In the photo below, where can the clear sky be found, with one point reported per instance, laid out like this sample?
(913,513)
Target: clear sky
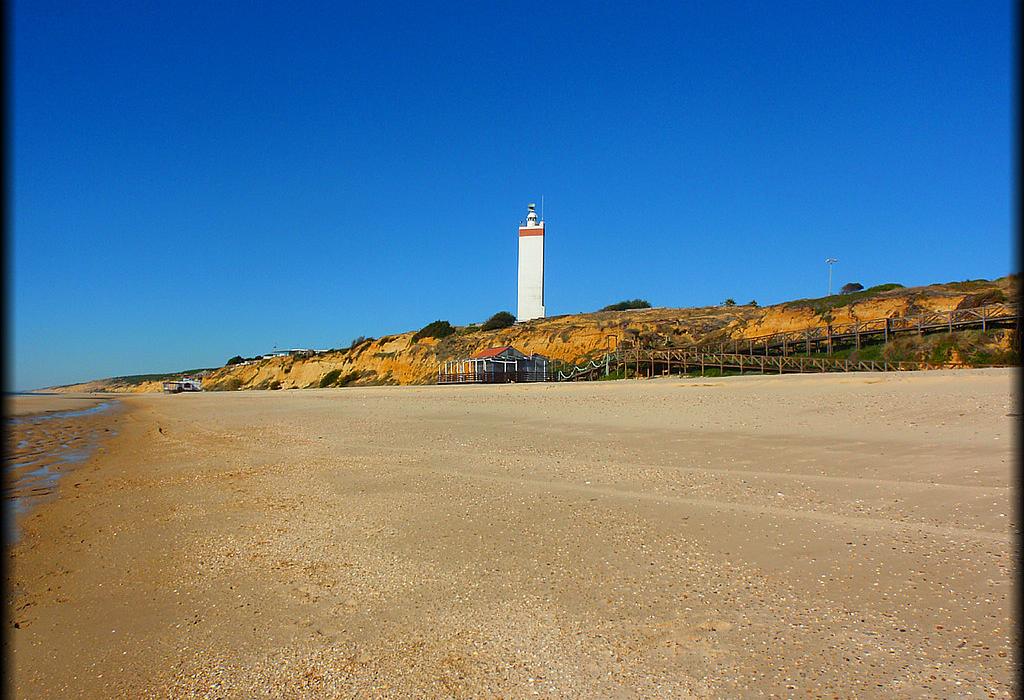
(197,180)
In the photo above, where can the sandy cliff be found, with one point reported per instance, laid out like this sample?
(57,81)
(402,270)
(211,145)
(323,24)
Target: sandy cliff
(397,359)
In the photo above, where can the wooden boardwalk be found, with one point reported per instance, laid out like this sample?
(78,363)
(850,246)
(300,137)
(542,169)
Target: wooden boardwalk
(790,351)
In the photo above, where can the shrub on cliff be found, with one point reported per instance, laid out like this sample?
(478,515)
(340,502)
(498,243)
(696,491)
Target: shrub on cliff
(437,329)
(628,304)
(235,360)
(229,384)
(329,378)
(887,287)
(850,287)
(989,296)
(502,319)
(356,342)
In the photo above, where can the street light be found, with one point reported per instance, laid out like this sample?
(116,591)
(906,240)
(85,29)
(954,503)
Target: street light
(830,262)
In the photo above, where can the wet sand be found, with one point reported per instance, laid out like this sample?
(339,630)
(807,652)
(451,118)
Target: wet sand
(47,437)
(799,536)
(24,404)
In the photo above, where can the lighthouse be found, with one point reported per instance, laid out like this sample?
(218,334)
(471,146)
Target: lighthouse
(531,267)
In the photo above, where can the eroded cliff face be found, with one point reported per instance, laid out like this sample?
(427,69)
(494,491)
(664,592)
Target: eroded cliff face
(397,359)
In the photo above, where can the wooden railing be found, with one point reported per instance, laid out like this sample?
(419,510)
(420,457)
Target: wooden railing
(777,352)
(984,317)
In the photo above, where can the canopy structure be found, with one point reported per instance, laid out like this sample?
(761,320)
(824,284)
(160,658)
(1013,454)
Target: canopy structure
(501,365)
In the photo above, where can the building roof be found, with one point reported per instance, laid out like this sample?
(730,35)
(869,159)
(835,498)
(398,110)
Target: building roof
(491,352)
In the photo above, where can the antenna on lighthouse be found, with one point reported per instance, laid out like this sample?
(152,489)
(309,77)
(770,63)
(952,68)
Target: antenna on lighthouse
(542,207)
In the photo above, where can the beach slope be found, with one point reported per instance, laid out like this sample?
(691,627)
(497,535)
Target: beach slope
(835,536)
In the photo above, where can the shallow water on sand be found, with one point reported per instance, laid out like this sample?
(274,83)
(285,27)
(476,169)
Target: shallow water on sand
(43,448)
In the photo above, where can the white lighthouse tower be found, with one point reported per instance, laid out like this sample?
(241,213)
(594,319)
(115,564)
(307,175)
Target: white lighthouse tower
(531,268)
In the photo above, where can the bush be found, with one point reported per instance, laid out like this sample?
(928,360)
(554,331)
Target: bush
(356,342)
(350,377)
(329,378)
(437,329)
(335,378)
(628,304)
(850,287)
(752,302)
(235,360)
(888,286)
(729,302)
(276,384)
(502,319)
(990,296)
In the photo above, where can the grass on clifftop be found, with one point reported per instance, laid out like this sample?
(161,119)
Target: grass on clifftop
(823,305)
(133,379)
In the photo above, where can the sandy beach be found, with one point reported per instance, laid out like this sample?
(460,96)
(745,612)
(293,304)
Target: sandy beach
(799,536)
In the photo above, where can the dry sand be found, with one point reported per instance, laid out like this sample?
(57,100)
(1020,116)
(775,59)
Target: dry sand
(801,536)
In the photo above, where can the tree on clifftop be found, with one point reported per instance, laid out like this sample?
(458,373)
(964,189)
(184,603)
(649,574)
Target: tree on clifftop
(851,287)
(437,329)
(628,304)
(502,319)
(235,360)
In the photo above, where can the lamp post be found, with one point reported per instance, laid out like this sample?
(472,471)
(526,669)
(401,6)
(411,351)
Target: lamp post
(830,262)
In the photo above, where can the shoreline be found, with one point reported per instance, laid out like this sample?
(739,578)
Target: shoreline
(674,537)
(31,404)
(46,441)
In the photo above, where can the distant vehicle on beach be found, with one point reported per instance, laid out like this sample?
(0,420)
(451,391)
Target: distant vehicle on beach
(183,384)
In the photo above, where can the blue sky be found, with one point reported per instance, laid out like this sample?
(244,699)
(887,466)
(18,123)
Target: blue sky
(193,181)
